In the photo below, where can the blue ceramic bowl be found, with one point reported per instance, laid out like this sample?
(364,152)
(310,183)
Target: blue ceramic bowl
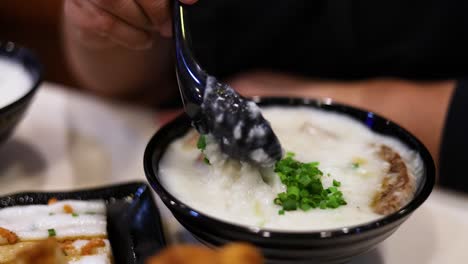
(327,246)
(11,114)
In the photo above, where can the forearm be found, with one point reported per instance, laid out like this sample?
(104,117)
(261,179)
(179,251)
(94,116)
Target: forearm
(418,106)
(119,72)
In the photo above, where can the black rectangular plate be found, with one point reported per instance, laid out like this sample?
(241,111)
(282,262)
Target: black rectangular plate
(133,220)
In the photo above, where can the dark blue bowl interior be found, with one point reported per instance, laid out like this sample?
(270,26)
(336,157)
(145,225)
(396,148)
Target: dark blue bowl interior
(327,246)
(11,114)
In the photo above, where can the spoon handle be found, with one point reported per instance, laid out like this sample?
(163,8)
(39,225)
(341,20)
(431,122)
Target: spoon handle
(190,76)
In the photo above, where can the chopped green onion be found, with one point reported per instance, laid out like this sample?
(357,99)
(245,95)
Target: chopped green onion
(355,165)
(336,183)
(304,189)
(293,192)
(90,213)
(304,193)
(277,201)
(201,144)
(304,180)
(74,214)
(305,207)
(323,205)
(51,213)
(51,232)
(290,205)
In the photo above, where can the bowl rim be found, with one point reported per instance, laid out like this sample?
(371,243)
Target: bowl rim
(10,51)
(422,193)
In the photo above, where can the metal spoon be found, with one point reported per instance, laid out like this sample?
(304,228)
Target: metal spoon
(217,109)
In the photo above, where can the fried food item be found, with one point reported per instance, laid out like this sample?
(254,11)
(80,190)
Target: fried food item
(52,201)
(185,254)
(7,237)
(237,253)
(68,209)
(8,253)
(52,251)
(46,252)
(79,233)
(398,185)
(90,247)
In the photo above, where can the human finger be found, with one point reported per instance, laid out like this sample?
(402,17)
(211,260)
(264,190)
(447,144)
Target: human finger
(159,13)
(127,10)
(91,19)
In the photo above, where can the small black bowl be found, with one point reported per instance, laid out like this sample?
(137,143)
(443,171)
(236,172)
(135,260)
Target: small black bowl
(327,246)
(11,114)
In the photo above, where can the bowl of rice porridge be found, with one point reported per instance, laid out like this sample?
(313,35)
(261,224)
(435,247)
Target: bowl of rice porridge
(347,180)
(20,76)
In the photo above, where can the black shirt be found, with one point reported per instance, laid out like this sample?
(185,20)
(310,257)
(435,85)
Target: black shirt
(453,155)
(343,39)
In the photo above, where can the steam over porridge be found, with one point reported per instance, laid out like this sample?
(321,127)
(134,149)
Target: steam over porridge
(357,175)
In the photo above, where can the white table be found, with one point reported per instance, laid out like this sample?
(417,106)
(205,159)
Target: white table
(70,140)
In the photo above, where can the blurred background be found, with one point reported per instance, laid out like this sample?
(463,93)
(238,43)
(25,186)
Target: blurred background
(36,25)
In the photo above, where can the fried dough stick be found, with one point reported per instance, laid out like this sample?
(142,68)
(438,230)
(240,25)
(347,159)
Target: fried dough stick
(236,253)
(46,252)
